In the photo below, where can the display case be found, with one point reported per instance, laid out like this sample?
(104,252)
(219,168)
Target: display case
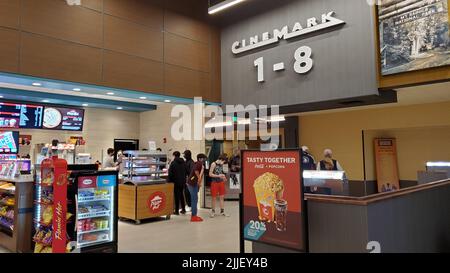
(144,193)
(144,168)
(16,205)
(326,182)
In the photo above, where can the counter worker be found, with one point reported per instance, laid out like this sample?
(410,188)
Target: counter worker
(308,161)
(328,163)
(108,161)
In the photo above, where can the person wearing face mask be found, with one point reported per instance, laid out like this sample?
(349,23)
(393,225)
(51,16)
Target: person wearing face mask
(218,179)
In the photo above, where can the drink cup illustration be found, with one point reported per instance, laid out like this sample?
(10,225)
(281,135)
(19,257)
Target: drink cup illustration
(281,207)
(268,187)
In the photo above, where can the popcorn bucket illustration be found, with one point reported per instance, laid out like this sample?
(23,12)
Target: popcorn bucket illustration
(268,188)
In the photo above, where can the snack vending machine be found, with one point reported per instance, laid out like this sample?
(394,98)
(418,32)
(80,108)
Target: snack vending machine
(96,209)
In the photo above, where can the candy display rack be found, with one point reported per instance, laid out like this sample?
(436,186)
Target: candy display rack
(16,205)
(51,216)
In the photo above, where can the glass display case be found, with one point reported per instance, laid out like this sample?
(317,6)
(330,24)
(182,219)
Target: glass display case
(325,182)
(144,168)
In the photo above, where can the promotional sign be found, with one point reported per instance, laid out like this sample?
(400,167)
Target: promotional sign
(9,142)
(87,182)
(273,210)
(386,164)
(106,181)
(63,119)
(157,202)
(56,169)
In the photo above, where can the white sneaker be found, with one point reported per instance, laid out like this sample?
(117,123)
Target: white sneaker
(224,214)
(212,214)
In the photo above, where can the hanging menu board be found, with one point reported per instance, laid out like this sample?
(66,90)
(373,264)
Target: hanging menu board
(69,119)
(273,206)
(15,116)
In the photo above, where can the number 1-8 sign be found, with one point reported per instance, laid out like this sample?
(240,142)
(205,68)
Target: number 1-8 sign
(302,65)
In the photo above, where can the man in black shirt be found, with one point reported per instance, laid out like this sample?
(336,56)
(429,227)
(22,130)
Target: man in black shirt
(177,176)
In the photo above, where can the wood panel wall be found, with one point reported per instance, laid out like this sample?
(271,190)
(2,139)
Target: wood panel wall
(155,46)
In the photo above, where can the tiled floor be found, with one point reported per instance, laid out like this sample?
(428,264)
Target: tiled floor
(179,235)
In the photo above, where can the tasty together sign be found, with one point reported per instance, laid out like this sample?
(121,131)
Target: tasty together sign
(272,198)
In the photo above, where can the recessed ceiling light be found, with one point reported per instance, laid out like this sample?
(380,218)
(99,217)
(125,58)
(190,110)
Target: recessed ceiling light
(110,93)
(167,101)
(36,84)
(45,101)
(85,104)
(119,108)
(143,98)
(76,89)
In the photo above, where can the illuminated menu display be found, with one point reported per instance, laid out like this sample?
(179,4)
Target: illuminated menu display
(14,116)
(63,119)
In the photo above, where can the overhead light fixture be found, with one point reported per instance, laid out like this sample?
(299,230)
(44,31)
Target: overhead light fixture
(219,124)
(143,98)
(36,84)
(110,93)
(244,121)
(438,164)
(223,5)
(46,101)
(85,104)
(167,101)
(272,119)
(76,89)
(1,97)
(119,108)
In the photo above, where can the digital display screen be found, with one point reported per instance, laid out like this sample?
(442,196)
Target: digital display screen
(68,119)
(15,116)
(9,142)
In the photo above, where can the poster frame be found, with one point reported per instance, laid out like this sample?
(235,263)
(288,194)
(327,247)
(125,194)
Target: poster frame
(303,202)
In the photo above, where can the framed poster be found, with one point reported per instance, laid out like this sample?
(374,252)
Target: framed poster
(272,205)
(414,35)
(386,164)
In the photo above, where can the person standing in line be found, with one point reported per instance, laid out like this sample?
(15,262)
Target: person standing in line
(328,163)
(177,176)
(218,179)
(189,167)
(194,184)
(235,161)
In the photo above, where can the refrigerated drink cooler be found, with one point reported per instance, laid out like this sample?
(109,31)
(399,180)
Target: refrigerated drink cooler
(96,215)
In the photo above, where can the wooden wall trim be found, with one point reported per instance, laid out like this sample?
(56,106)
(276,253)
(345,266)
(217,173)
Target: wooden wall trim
(139,21)
(366,200)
